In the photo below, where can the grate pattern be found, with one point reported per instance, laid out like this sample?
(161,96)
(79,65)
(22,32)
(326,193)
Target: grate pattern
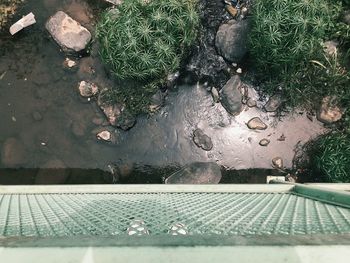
(202,213)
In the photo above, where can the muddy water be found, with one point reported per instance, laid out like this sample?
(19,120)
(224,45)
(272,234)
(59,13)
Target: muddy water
(34,83)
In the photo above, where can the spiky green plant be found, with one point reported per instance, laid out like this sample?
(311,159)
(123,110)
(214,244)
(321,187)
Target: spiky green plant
(146,39)
(330,158)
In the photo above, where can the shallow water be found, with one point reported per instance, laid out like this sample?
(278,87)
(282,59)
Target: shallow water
(34,81)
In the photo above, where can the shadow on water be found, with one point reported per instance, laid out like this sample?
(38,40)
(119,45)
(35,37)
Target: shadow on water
(139,175)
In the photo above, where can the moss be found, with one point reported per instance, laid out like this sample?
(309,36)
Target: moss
(147,39)
(330,158)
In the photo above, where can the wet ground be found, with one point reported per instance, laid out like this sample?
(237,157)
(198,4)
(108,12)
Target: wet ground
(52,127)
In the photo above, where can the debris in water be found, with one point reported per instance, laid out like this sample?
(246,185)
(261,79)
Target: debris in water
(277,162)
(3,75)
(26,21)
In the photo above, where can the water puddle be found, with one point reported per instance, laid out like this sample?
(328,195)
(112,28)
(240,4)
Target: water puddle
(45,124)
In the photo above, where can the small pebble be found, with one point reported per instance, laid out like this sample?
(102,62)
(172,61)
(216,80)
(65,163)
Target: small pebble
(239,71)
(37,116)
(264,142)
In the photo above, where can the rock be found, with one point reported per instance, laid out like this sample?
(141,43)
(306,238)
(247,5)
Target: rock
(13,153)
(328,111)
(25,21)
(37,116)
(114,2)
(331,47)
(104,136)
(264,142)
(53,172)
(87,89)
(231,97)
(157,101)
(196,173)
(116,113)
(68,33)
(256,124)
(202,140)
(68,63)
(277,162)
(172,79)
(251,103)
(215,94)
(273,103)
(231,40)
(233,11)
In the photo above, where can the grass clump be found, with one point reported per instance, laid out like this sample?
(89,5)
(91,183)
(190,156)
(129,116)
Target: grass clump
(286,43)
(146,39)
(330,158)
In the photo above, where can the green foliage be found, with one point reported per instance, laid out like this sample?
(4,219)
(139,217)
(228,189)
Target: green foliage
(146,39)
(287,34)
(330,158)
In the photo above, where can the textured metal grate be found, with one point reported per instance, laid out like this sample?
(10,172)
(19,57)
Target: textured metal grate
(202,213)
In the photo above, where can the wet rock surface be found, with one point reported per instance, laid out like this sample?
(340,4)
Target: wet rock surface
(256,124)
(231,97)
(329,112)
(196,173)
(67,32)
(117,114)
(87,89)
(231,40)
(202,140)
(273,103)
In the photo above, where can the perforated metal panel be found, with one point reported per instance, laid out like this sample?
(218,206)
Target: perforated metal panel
(203,213)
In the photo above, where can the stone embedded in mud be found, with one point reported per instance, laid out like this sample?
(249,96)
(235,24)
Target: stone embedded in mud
(68,63)
(68,33)
(117,114)
(196,173)
(264,142)
(202,140)
(37,116)
(256,124)
(277,162)
(231,97)
(157,101)
(231,40)
(251,103)
(329,112)
(87,89)
(273,103)
(104,136)
(13,153)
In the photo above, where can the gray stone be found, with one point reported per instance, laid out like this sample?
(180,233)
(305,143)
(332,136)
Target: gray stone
(331,47)
(157,101)
(172,79)
(329,112)
(67,32)
(87,89)
(251,103)
(116,113)
(256,124)
(231,40)
(202,140)
(231,97)
(13,153)
(277,162)
(196,173)
(264,142)
(273,103)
